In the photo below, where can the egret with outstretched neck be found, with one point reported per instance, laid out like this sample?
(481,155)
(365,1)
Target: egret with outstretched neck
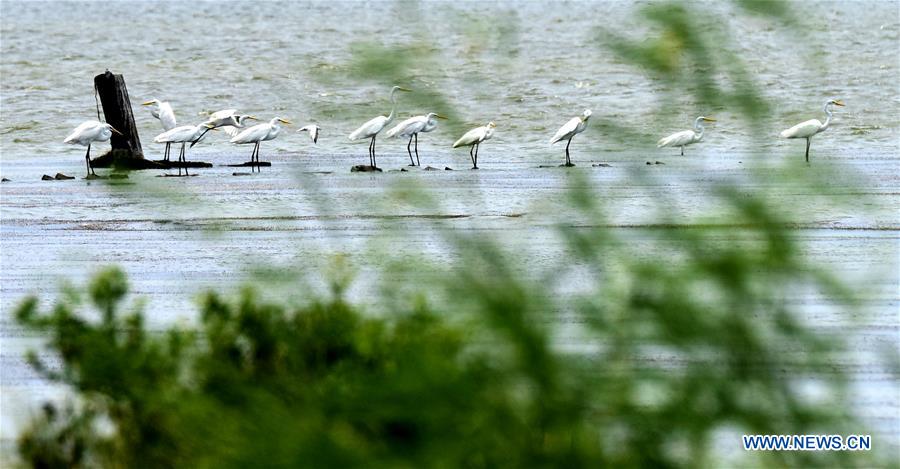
(257,134)
(575,126)
(371,128)
(811,127)
(411,128)
(163,111)
(228,120)
(87,133)
(473,139)
(685,137)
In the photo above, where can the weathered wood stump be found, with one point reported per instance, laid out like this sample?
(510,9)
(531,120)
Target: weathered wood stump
(126,152)
(250,163)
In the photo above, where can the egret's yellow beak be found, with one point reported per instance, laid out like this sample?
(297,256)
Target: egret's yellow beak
(838,102)
(709,119)
(114,130)
(285,121)
(210,126)
(403,89)
(440,116)
(148,103)
(253,118)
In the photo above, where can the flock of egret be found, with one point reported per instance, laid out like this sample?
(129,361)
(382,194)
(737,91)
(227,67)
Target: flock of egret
(235,125)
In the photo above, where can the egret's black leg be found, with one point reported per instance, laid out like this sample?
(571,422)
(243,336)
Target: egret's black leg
(166,152)
(374,165)
(87,160)
(475,164)
(417,150)
(568,161)
(472,155)
(181,161)
(255,158)
(411,162)
(682,150)
(807,149)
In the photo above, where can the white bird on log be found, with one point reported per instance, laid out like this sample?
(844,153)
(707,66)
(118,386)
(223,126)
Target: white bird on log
(257,134)
(89,132)
(163,111)
(371,128)
(182,135)
(411,128)
(473,139)
(575,126)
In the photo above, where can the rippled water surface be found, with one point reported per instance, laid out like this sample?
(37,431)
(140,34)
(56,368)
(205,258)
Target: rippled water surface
(528,66)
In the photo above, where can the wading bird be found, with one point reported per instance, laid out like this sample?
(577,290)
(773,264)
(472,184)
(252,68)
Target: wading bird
(811,127)
(685,137)
(371,128)
(313,130)
(163,111)
(87,133)
(575,126)
(228,120)
(182,135)
(473,139)
(411,128)
(257,134)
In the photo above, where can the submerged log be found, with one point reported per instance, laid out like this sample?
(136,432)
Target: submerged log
(250,163)
(364,168)
(126,149)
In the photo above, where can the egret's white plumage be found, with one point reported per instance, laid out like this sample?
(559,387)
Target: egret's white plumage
(685,137)
(163,111)
(228,120)
(87,133)
(313,131)
(811,127)
(575,126)
(411,128)
(375,125)
(473,139)
(182,135)
(259,133)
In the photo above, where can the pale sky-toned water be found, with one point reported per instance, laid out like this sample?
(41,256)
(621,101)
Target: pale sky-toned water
(527,66)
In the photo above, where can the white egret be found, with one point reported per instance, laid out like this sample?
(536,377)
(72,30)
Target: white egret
(685,137)
(411,128)
(811,127)
(228,120)
(257,134)
(182,135)
(473,138)
(163,111)
(575,126)
(371,128)
(313,131)
(87,133)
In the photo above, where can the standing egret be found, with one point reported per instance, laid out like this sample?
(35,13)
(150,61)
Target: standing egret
(259,133)
(473,138)
(411,128)
(313,130)
(811,127)
(371,128)
(575,126)
(182,135)
(685,137)
(228,120)
(163,111)
(87,133)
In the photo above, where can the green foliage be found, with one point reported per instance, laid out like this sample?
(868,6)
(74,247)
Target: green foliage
(699,342)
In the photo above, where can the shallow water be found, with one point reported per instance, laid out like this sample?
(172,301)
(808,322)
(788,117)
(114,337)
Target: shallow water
(525,67)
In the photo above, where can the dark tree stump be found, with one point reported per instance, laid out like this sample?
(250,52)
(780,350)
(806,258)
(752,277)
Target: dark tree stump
(126,150)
